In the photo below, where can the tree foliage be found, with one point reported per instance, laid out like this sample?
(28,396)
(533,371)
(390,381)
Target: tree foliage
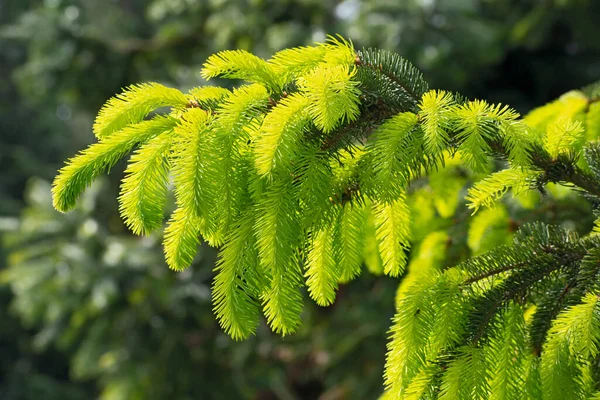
(272,172)
(126,327)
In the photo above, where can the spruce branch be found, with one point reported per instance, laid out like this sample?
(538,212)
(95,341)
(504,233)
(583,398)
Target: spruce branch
(399,71)
(322,162)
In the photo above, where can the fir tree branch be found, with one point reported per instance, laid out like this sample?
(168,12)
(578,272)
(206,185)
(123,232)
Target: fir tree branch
(310,166)
(545,316)
(495,271)
(559,170)
(368,121)
(379,68)
(518,283)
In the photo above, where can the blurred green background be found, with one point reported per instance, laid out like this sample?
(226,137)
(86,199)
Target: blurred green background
(89,311)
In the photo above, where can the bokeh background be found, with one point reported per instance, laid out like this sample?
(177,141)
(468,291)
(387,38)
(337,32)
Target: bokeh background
(89,311)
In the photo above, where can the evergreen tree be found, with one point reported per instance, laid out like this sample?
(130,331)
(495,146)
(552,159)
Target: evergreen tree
(313,168)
